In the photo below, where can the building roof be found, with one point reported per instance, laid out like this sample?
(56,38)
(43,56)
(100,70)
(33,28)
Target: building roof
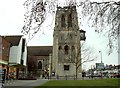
(39,50)
(13,39)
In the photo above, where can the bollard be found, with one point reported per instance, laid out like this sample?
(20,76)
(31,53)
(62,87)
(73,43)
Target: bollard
(57,77)
(66,77)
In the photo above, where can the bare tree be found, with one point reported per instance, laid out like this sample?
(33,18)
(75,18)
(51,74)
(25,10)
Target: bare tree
(104,16)
(36,14)
(87,55)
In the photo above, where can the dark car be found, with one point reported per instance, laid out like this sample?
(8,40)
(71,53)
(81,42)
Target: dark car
(116,75)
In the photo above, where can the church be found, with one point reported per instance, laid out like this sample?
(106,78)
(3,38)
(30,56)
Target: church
(64,57)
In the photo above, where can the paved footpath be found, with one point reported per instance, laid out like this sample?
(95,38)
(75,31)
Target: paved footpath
(25,83)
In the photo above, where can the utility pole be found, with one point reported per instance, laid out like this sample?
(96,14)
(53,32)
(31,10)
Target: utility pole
(101,55)
(101,62)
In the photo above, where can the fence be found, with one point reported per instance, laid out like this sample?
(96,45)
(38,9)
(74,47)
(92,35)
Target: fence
(67,77)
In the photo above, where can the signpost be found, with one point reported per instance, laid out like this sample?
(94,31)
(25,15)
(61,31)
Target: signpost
(99,66)
(2,76)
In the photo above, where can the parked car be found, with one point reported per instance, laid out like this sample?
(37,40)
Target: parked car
(116,75)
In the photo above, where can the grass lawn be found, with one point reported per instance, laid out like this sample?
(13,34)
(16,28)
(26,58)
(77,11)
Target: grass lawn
(97,82)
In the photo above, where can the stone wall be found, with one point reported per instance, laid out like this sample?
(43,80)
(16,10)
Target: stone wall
(66,44)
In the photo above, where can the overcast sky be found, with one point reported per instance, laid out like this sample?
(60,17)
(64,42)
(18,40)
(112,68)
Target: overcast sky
(11,23)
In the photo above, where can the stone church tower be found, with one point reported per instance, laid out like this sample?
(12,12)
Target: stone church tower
(66,44)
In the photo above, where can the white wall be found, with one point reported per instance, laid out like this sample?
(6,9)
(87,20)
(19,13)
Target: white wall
(16,54)
(25,56)
(13,54)
(19,51)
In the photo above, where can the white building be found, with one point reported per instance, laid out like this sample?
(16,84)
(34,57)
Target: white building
(18,50)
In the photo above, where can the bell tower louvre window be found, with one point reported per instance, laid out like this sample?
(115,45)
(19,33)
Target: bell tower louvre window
(66,48)
(62,20)
(70,20)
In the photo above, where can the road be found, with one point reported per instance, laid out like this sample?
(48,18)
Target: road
(25,83)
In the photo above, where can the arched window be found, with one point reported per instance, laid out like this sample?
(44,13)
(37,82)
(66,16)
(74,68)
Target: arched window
(70,20)
(60,54)
(60,47)
(62,20)
(39,65)
(66,48)
(73,54)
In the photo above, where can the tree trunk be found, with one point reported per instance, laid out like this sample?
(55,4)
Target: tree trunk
(76,71)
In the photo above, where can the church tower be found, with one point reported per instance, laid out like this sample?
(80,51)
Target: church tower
(66,43)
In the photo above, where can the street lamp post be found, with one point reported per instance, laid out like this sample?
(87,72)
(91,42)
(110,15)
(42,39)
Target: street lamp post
(101,55)
(101,62)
